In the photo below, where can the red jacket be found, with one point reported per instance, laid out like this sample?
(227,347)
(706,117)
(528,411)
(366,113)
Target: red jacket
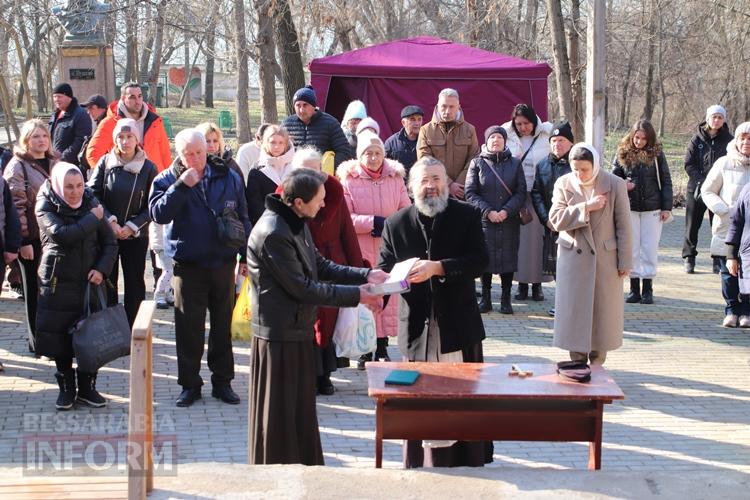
(155,140)
(333,233)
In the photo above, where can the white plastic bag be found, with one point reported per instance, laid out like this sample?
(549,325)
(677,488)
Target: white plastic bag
(354,333)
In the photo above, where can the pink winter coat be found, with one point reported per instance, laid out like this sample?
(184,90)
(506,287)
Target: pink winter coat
(367,197)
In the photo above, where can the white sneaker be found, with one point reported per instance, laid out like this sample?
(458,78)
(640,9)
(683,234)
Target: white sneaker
(744,321)
(730,321)
(161,300)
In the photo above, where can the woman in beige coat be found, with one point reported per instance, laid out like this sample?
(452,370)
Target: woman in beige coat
(591,211)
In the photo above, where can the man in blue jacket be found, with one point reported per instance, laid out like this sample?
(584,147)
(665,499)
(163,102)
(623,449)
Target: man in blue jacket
(402,146)
(310,125)
(187,197)
(69,124)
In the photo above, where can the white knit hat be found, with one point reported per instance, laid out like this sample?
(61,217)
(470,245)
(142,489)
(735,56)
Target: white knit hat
(716,109)
(368,123)
(367,140)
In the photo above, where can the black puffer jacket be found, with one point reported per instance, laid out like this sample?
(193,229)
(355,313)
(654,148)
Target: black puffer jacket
(74,242)
(324,132)
(69,131)
(547,172)
(702,153)
(284,269)
(646,196)
(123,192)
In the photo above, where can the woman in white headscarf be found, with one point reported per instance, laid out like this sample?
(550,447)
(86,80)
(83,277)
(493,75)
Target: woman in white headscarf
(591,211)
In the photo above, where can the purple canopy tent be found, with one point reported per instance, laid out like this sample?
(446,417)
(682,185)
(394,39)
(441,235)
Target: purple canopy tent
(391,75)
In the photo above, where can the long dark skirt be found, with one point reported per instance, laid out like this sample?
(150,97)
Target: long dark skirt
(462,453)
(283,423)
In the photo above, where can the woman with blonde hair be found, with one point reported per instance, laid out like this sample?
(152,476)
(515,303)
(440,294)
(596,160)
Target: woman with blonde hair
(274,165)
(215,145)
(25,174)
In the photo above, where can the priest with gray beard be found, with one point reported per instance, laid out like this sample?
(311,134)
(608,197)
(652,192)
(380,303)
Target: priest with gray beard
(439,316)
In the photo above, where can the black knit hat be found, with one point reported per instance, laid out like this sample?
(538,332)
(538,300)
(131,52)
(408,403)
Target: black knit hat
(63,88)
(563,129)
(495,129)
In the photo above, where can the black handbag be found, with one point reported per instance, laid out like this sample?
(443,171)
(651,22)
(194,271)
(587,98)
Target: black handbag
(100,337)
(230,228)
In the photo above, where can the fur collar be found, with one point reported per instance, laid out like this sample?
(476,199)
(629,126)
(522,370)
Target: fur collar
(735,156)
(354,169)
(275,205)
(630,156)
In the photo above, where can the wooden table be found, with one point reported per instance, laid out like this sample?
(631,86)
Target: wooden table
(482,402)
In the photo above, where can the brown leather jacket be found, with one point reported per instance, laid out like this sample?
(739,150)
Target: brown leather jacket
(24,191)
(455,148)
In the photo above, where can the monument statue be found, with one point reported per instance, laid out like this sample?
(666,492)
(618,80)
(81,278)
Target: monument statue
(83,21)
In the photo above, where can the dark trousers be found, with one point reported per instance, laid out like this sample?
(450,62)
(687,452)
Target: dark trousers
(197,289)
(730,290)
(132,257)
(695,209)
(30,283)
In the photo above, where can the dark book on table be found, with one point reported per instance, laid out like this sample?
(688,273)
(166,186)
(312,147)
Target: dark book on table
(402,377)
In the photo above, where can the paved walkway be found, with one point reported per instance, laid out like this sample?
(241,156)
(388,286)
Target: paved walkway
(686,380)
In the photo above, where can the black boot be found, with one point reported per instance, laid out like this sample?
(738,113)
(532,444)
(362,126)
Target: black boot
(690,265)
(523,291)
(381,351)
(363,359)
(325,386)
(536,292)
(485,305)
(505,305)
(635,291)
(647,296)
(67,382)
(87,393)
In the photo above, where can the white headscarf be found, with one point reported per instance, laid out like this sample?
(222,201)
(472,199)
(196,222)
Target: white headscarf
(57,180)
(596,166)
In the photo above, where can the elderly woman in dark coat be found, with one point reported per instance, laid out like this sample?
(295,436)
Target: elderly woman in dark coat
(78,249)
(497,186)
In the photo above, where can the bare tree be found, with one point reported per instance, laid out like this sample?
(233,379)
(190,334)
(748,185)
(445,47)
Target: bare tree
(287,43)
(562,63)
(242,104)
(265,54)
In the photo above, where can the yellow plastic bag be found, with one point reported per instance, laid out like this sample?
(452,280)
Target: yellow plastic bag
(328,161)
(241,329)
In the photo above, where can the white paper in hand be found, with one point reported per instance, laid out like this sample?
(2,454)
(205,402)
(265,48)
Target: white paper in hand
(398,281)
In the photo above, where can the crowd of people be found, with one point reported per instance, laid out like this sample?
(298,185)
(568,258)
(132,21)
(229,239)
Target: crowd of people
(90,196)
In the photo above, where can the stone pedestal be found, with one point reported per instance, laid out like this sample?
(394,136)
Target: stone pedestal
(89,69)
